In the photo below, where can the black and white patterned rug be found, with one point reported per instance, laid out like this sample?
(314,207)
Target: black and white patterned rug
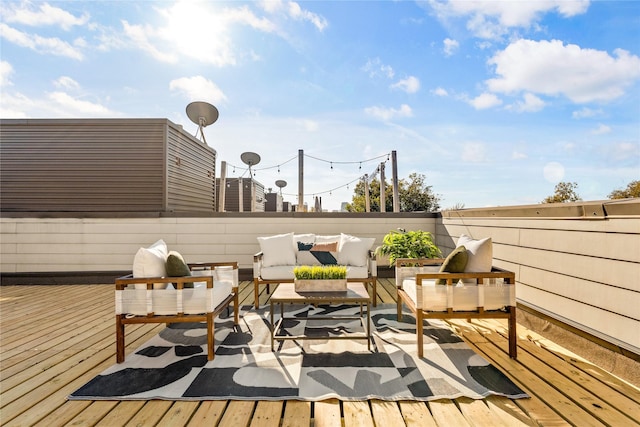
(173,365)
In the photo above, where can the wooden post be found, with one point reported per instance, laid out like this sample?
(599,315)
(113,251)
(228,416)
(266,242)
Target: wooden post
(394,169)
(240,195)
(300,181)
(367,198)
(223,186)
(383,189)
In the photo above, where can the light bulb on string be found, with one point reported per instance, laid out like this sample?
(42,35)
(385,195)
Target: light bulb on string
(331,165)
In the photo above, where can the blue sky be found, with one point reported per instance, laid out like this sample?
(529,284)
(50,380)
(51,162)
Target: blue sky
(493,101)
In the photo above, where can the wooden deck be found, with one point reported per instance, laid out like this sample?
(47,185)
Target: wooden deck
(56,338)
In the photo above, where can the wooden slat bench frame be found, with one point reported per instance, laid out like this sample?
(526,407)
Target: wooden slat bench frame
(179,283)
(451,278)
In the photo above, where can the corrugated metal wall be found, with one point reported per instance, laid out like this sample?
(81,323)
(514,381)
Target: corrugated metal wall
(192,169)
(103,165)
(231,195)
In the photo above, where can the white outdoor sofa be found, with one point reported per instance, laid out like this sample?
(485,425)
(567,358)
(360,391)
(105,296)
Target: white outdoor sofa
(280,254)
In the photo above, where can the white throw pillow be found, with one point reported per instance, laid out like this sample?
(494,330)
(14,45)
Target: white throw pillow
(353,250)
(278,250)
(480,254)
(151,262)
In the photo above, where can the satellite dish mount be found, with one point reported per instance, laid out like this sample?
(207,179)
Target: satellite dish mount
(203,114)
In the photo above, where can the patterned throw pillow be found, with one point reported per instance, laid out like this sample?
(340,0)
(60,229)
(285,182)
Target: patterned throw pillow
(317,253)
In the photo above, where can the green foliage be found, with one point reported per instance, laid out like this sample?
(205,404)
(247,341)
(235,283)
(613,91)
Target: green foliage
(565,192)
(632,190)
(408,244)
(315,272)
(413,195)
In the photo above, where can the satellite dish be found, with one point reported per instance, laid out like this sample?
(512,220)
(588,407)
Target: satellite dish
(250,158)
(203,114)
(281,183)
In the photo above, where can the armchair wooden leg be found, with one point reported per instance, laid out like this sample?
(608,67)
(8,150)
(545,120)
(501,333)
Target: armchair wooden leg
(420,333)
(399,306)
(374,284)
(119,339)
(210,337)
(236,309)
(255,293)
(513,334)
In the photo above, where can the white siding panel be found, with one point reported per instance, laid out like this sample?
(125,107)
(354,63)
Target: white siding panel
(609,326)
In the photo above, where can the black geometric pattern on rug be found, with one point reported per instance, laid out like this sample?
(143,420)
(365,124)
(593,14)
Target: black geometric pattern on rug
(174,366)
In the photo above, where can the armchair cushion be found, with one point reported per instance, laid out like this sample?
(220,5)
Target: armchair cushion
(151,262)
(278,250)
(480,254)
(454,263)
(177,267)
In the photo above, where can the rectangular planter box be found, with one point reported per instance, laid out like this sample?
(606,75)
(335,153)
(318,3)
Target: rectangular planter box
(324,285)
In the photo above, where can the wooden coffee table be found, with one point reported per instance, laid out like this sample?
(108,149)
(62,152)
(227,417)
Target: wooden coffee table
(356,293)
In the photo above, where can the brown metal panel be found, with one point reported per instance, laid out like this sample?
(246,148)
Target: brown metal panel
(102,165)
(191,173)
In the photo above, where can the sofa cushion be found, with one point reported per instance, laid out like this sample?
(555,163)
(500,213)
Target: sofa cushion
(317,253)
(150,262)
(480,254)
(327,239)
(354,250)
(278,250)
(454,263)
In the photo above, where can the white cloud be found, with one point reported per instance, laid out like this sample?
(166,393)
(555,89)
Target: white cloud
(374,67)
(553,172)
(198,88)
(474,152)
(293,10)
(585,113)
(310,125)
(601,130)
(582,75)
(195,30)
(484,101)
(450,46)
(296,12)
(65,82)
(440,92)
(410,85)
(73,107)
(387,114)
(518,155)
(46,14)
(5,73)
(491,19)
(43,45)
(529,104)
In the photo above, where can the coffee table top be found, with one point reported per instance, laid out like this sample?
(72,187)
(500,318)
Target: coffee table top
(285,292)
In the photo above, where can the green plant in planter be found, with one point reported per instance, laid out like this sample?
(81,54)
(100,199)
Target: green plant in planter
(408,244)
(320,272)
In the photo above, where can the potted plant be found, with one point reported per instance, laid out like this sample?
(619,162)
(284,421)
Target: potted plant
(408,244)
(320,278)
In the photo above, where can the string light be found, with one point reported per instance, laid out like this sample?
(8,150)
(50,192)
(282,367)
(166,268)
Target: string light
(331,162)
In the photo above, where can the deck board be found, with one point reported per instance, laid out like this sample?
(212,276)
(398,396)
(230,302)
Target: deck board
(55,338)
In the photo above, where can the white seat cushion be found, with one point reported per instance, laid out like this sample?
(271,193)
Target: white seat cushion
(461,297)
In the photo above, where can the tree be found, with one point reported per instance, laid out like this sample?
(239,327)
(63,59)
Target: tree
(413,195)
(565,192)
(632,190)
